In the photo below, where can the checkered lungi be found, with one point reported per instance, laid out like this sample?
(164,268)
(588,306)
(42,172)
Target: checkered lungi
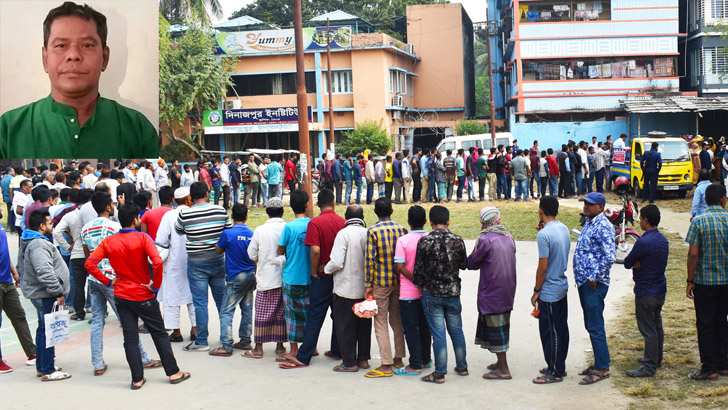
(493,332)
(270,321)
(295,303)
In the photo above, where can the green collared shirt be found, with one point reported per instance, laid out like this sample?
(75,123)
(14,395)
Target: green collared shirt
(47,129)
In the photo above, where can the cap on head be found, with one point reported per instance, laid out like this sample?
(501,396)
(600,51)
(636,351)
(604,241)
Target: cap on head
(595,198)
(181,192)
(275,203)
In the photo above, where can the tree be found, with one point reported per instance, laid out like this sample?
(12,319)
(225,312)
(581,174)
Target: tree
(179,11)
(480,52)
(482,97)
(191,79)
(469,127)
(369,135)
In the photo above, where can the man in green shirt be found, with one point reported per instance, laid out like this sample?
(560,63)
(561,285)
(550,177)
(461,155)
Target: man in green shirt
(482,166)
(74,121)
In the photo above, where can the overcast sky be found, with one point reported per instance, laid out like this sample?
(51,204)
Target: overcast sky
(475,8)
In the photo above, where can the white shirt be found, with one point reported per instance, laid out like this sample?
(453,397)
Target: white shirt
(262,168)
(22,200)
(89,180)
(71,222)
(347,262)
(263,250)
(112,184)
(618,144)
(406,173)
(175,290)
(542,171)
(225,174)
(187,179)
(584,161)
(128,175)
(139,178)
(160,177)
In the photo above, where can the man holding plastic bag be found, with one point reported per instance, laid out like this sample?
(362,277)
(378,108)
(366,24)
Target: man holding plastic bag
(44,281)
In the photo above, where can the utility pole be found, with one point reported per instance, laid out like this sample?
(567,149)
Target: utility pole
(490,91)
(329,81)
(302,100)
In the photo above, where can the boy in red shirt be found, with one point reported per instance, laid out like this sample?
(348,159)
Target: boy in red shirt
(135,294)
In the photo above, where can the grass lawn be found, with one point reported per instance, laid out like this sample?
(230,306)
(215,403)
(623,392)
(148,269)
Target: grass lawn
(670,388)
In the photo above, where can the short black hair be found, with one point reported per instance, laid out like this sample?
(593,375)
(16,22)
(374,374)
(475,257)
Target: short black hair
(166,195)
(65,193)
(655,145)
(198,190)
(299,200)
(519,153)
(448,152)
(703,175)
(543,154)
(274,212)
(240,212)
(326,198)
(652,213)
(549,205)
(141,199)
(85,195)
(38,217)
(714,194)
(100,200)
(25,183)
(40,193)
(85,12)
(550,151)
(127,214)
(417,216)
(383,207)
(480,151)
(354,211)
(439,215)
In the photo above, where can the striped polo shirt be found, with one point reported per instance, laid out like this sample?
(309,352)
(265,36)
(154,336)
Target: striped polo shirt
(203,224)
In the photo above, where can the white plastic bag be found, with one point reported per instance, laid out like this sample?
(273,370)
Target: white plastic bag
(56,326)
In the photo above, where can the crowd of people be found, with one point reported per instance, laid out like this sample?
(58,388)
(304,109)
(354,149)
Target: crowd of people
(137,248)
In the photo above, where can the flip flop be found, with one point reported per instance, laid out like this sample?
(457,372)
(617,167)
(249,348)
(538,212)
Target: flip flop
(594,376)
(152,364)
(373,374)
(134,387)
(545,369)
(249,354)
(547,379)
(432,378)
(345,369)
(495,376)
(402,371)
(184,377)
(281,359)
(241,346)
(290,364)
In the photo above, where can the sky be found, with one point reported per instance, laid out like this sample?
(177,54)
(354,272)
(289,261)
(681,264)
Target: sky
(474,8)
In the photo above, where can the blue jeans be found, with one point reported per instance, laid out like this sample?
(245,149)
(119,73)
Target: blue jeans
(471,189)
(501,185)
(238,292)
(579,188)
(69,297)
(592,302)
(381,188)
(45,361)
(216,191)
(416,332)
(509,186)
(370,191)
(538,185)
(99,295)
(347,192)
(521,189)
(358,193)
(553,185)
(264,193)
(590,182)
(432,195)
(461,185)
(554,330)
(442,314)
(320,299)
(600,180)
(200,275)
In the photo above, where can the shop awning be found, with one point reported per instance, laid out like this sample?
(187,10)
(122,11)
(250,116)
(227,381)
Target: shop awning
(675,104)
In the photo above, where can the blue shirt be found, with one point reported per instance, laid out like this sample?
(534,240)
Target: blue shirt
(424,172)
(357,173)
(595,251)
(215,175)
(396,169)
(347,170)
(699,205)
(235,242)
(590,160)
(5,184)
(273,173)
(705,162)
(651,161)
(336,170)
(554,242)
(298,256)
(6,275)
(651,251)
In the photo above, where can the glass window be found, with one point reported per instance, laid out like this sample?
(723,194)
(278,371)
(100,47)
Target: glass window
(397,82)
(471,143)
(593,68)
(674,151)
(340,82)
(560,10)
(719,9)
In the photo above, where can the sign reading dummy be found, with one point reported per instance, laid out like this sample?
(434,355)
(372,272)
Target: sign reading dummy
(279,119)
(273,41)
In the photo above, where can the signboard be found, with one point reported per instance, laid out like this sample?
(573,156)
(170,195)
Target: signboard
(599,47)
(275,41)
(619,156)
(278,119)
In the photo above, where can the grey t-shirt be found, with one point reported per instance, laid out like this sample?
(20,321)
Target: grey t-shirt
(554,243)
(519,165)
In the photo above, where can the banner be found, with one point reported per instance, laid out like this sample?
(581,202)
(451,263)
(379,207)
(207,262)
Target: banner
(275,41)
(254,120)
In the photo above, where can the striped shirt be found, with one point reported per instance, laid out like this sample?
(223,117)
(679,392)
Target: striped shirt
(203,224)
(92,234)
(381,244)
(709,232)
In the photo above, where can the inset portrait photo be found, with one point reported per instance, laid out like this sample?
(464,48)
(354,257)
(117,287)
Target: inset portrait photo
(79,80)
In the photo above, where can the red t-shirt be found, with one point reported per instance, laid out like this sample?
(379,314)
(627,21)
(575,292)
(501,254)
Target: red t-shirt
(152,219)
(290,170)
(127,251)
(322,231)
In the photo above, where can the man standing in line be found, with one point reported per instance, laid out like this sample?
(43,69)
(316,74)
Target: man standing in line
(8,199)
(235,179)
(44,281)
(370,177)
(397,177)
(353,334)
(134,293)
(273,173)
(382,283)
(460,174)
(706,160)
(449,163)
(416,175)
(521,173)
(388,178)
(553,167)
(356,178)
(564,171)
(651,165)
(291,172)
(348,167)
(482,165)
(203,223)
(593,258)
(254,176)
(590,159)
(153,217)
(549,292)
(492,162)
(320,237)
(270,322)
(239,283)
(648,261)
(500,172)
(406,175)
(699,206)
(471,172)
(707,283)
(175,175)
(380,174)
(338,177)
(425,175)
(432,160)
(582,153)
(21,199)
(175,290)
(216,182)
(439,258)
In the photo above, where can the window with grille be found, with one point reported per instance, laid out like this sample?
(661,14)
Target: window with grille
(695,14)
(719,9)
(397,82)
(696,64)
(340,82)
(716,59)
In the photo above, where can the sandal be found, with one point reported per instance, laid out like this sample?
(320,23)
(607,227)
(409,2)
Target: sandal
(152,364)
(249,354)
(586,371)
(184,377)
(292,364)
(241,346)
(546,369)
(346,369)
(55,376)
(594,376)
(433,378)
(100,371)
(373,374)
(137,387)
(701,375)
(221,351)
(463,372)
(492,375)
(547,379)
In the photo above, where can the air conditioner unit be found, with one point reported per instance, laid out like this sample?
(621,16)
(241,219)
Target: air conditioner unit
(411,49)
(397,115)
(229,105)
(397,101)
(233,105)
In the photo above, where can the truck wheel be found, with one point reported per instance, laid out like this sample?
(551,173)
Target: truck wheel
(682,194)
(637,189)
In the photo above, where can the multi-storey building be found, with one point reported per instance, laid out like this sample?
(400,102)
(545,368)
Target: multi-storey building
(563,66)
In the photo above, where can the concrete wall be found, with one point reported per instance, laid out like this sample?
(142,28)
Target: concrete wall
(553,134)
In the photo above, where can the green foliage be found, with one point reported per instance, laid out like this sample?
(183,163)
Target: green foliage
(179,150)
(180,11)
(191,79)
(369,135)
(469,127)
(480,53)
(482,97)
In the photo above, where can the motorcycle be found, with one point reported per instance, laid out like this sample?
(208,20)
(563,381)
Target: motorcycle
(315,181)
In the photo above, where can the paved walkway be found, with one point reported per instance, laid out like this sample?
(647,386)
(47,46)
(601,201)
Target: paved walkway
(220,382)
